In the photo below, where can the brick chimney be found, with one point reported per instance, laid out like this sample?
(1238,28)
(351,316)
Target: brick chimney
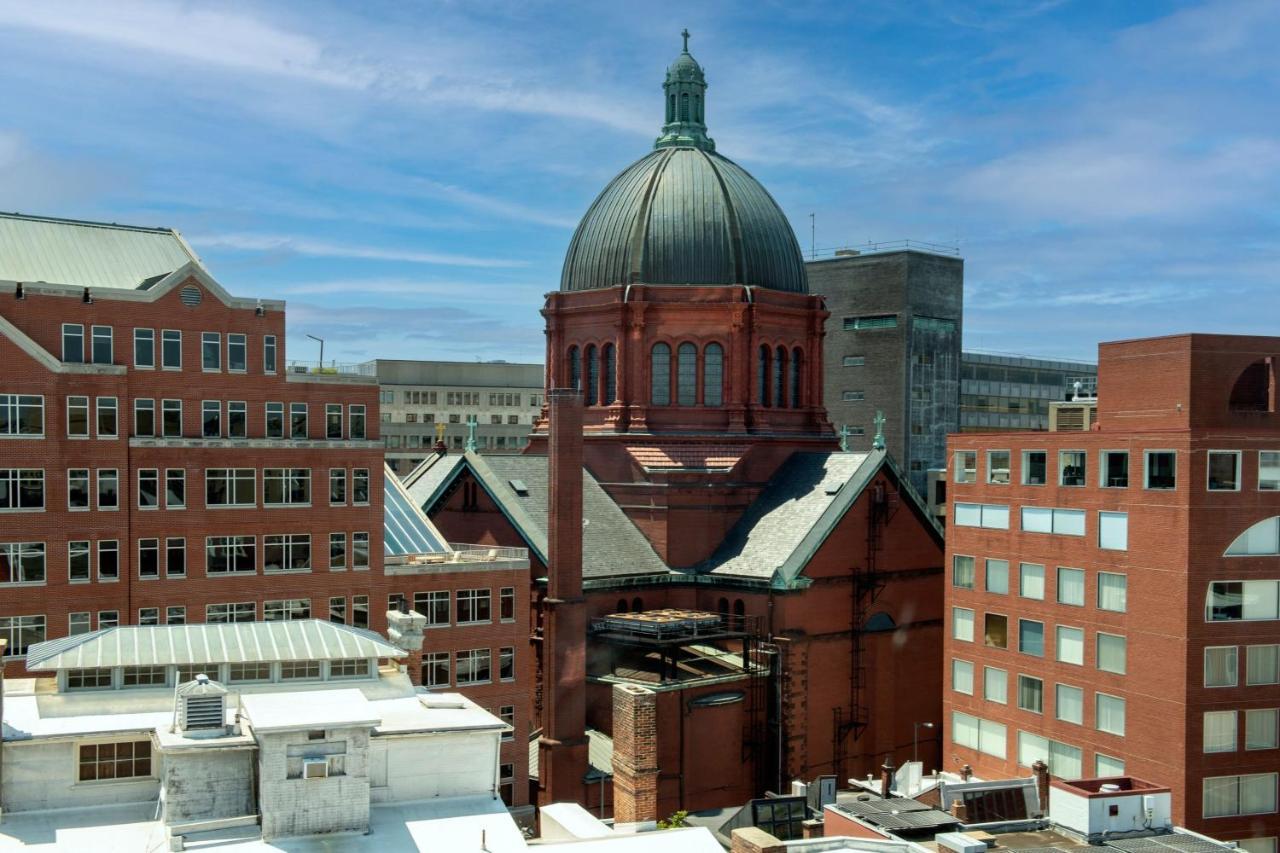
(753,839)
(1041,772)
(562,748)
(886,777)
(959,810)
(635,754)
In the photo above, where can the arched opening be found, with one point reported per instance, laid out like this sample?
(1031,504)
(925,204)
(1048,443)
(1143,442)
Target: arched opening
(1260,540)
(878,622)
(697,108)
(797,365)
(1254,390)
(622,606)
(637,606)
(610,375)
(762,379)
(660,375)
(739,607)
(723,606)
(780,378)
(713,375)
(575,368)
(687,374)
(593,376)
(684,107)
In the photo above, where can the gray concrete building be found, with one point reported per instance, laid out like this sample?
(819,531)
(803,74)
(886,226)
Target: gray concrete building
(1013,392)
(419,399)
(893,345)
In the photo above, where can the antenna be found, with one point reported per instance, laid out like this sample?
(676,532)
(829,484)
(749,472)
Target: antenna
(813,243)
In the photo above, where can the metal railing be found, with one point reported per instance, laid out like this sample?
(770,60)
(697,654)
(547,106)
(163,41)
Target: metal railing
(328,368)
(871,247)
(471,553)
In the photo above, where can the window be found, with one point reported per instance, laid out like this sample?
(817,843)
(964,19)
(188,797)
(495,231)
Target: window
(237,352)
(300,670)
(983,735)
(1113,531)
(175,557)
(78,570)
(175,488)
(995,685)
(993,516)
(1113,592)
(21,632)
(1220,666)
(230,555)
(359,551)
(1269,471)
(237,419)
(1162,469)
(1115,469)
(211,351)
(1068,704)
(144,348)
(145,676)
(297,420)
(356,421)
(507,604)
(21,562)
(1071,587)
(473,605)
(337,486)
(360,486)
(89,679)
(275,420)
(240,673)
(1069,647)
(966,462)
(853,361)
(1260,728)
(1064,761)
(995,631)
(1239,795)
(998,467)
(856,396)
(78,497)
(286,487)
(77,417)
(713,375)
(507,663)
(1071,467)
(79,623)
(102,345)
(507,713)
(1066,522)
(1262,665)
(230,487)
(101,761)
(148,558)
(1034,465)
(435,669)
(108,417)
(349,668)
(962,676)
(108,488)
(1232,601)
(360,611)
(434,605)
(1105,765)
(1031,694)
(1031,637)
(171,349)
(148,488)
(73,343)
(282,610)
(289,552)
(962,572)
(337,551)
(660,375)
(176,616)
(1224,470)
(1112,653)
(333,421)
(473,667)
(244,611)
(269,354)
(144,417)
(874,321)
(1110,714)
(171,418)
(21,414)
(1220,731)
(962,624)
(998,577)
(1031,580)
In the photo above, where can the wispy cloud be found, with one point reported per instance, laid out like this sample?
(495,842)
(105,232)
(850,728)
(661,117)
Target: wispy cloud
(297,245)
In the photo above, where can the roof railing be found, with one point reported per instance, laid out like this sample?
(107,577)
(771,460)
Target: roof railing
(471,553)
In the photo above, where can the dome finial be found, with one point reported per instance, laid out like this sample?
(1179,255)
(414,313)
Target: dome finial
(685,34)
(685,88)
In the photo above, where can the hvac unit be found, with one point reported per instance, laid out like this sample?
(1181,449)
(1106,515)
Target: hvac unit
(315,768)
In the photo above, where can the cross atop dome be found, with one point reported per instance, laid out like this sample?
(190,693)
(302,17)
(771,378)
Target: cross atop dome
(685,88)
(685,34)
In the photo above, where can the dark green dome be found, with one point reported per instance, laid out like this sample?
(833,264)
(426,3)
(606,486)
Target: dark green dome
(684,214)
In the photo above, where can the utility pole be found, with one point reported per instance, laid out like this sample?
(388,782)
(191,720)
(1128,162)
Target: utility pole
(321,340)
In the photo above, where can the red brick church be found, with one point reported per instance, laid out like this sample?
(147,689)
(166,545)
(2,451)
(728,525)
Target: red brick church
(778,599)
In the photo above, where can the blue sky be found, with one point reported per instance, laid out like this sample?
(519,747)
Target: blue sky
(407,175)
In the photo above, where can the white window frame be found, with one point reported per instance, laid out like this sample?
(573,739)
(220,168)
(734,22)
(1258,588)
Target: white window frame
(205,340)
(1102,468)
(136,364)
(244,346)
(270,367)
(163,334)
(1007,469)
(1258,486)
(1022,475)
(1146,469)
(1235,681)
(1239,457)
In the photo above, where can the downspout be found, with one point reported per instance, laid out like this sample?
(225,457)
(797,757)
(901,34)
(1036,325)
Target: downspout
(3,644)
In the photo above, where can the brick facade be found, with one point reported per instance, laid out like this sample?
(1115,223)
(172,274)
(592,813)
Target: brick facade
(635,754)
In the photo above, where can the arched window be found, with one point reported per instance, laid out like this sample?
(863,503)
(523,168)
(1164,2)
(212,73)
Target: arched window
(575,369)
(637,605)
(739,607)
(593,376)
(687,374)
(723,606)
(763,377)
(660,375)
(610,377)
(622,606)
(797,366)
(671,108)
(1252,391)
(684,107)
(697,108)
(780,377)
(713,375)
(1260,540)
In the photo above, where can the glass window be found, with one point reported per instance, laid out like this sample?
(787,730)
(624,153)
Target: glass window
(108,420)
(473,605)
(289,552)
(244,611)
(473,667)
(507,663)
(109,761)
(1036,519)
(210,351)
(230,554)
(1031,694)
(102,345)
(1113,592)
(1263,665)
(269,354)
(1220,731)
(1239,795)
(1224,470)
(1068,704)
(1269,470)
(1115,469)
(333,421)
(962,624)
(1230,601)
(360,486)
(998,576)
(1070,645)
(1110,714)
(237,419)
(1220,666)
(1162,469)
(108,488)
(1113,531)
(297,420)
(78,497)
(300,670)
(1068,522)
(171,349)
(966,466)
(1071,587)
(281,610)
(337,551)
(1260,728)
(687,374)
(995,630)
(507,604)
(237,352)
(1071,467)
(435,669)
(1105,766)
(21,562)
(211,419)
(1034,463)
(359,551)
(171,418)
(962,676)
(356,421)
(144,348)
(78,554)
(144,417)
(148,488)
(79,623)
(1112,653)
(275,420)
(1031,580)
(1031,637)
(434,605)
(355,668)
(108,561)
(230,487)
(995,685)
(962,572)
(73,343)
(713,375)
(998,466)
(286,486)
(175,560)
(78,417)
(21,415)
(660,375)
(21,632)
(360,611)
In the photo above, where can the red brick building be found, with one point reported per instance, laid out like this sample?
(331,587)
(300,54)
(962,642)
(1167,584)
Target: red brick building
(1112,593)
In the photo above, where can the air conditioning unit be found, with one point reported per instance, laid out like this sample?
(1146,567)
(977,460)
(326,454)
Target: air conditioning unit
(315,768)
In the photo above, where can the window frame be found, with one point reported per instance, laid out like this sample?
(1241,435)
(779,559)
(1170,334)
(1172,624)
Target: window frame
(1062,469)
(168,336)
(207,339)
(1258,484)
(140,335)
(961,473)
(1147,453)
(1234,669)
(1208,469)
(1026,468)
(992,470)
(1104,457)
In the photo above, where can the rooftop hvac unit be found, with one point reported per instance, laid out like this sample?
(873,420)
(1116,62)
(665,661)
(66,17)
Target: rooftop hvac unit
(315,768)
(202,705)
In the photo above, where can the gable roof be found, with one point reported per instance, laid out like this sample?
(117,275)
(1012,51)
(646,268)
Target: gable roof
(406,531)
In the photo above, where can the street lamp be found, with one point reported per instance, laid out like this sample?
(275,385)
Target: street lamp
(915,731)
(321,340)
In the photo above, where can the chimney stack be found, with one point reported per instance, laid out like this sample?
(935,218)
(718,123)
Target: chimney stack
(563,745)
(635,754)
(1041,772)
(886,777)
(959,810)
(966,773)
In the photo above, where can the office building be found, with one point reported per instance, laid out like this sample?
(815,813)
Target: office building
(1013,392)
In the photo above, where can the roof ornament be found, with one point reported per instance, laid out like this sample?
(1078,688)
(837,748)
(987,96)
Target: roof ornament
(845,432)
(685,88)
(877,443)
(685,34)
(470,446)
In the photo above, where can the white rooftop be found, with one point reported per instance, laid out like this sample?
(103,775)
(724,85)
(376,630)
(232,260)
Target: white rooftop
(315,709)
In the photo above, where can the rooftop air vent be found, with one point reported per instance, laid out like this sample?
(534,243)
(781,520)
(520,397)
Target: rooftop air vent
(202,706)
(191,296)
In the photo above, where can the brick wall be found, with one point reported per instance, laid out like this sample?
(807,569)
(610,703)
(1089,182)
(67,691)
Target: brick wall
(635,754)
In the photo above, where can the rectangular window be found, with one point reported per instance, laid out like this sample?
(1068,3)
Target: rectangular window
(360,611)
(338,610)
(1113,531)
(473,605)
(1034,465)
(1068,704)
(995,685)
(77,417)
(178,616)
(507,713)
(241,673)
(21,563)
(360,486)
(992,516)
(78,495)
(333,421)
(1072,467)
(1220,666)
(144,349)
(872,321)
(1224,470)
(1112,653)
(1113,592)
(1031,581)
(998,577)
(1220,731)
(1226,796)
(435,669)
(356,421)
(171,418)
(359,551)
(148,488)
(78,559)
(962,624)
(73,343)
(507,663)
(225,487)
(998,467)
(1071,587)
(286,486)
(211,351)
(244,611)
(300,670)
(1162,469)
(108,417)
(21,632)
(102,345)
(1115,469)
(1066,522)
(1269,471)
(1110,714)
(1105,765)
(995,630)
(175,557)
(282,610)
(1232,601)
(171,349)
(962,676)
(79,623)
(237,352)
(473,667)
(290,552)
(89,678)
(1031,637)
(297,420)
(275,420)
(962,572)
(21,415)
(1260,728)
(1263,665)
(337,551)
(108,560)
(966,466)
(103,761)
(351,668)
(1069,647)
(225,555)
(269,354)
(507,604)
(145,676)
(847,396)
(1031,694)
(211,419)
(337,486)
(144,417)
(108,489)
(434,605)
(148,558)
(175,488)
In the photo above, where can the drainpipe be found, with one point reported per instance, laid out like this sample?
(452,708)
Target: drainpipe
(3,643)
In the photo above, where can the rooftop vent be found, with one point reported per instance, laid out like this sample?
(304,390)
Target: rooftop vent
(202,706)
(519,487)
(190,296)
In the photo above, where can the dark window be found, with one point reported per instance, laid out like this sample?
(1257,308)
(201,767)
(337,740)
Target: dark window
(713,375)
(171,349)
(610,375)
(593,376)
(780,378)
(660,375)
(687,374)
(637,606)
(762,377)
(797,384)
(575,369)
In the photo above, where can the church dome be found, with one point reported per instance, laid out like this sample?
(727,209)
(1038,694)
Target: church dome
(684,214)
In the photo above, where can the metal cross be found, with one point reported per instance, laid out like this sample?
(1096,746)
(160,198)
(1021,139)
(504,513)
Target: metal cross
(471,435)
(685,34)
(878,442)
(845,432)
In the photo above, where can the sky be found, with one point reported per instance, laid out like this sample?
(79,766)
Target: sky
(408,175)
